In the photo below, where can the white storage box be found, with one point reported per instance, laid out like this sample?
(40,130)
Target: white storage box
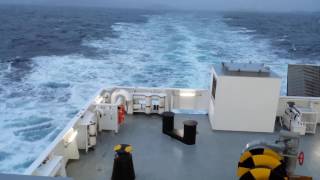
(244,97)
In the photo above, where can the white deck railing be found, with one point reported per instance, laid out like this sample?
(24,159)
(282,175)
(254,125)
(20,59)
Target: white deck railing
(176,98)
(308,102)
(191,99)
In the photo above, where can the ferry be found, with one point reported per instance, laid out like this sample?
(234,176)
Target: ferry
(241,127)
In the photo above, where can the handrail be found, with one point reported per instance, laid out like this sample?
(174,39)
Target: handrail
(50,148)
(301,98)
(37,162)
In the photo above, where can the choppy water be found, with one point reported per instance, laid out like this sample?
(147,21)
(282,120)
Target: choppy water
(52,60)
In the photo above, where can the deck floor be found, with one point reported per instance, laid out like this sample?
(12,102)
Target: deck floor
(158,157)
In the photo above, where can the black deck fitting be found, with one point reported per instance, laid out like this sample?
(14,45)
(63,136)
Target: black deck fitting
(123,164)
(187,136)
(189,132)
(167,122)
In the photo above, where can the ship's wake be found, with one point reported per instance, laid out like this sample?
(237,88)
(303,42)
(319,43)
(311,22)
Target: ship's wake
(172,50)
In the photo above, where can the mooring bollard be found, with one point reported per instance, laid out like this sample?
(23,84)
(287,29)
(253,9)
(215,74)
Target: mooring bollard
(123,164)
(190,132)
(167,122)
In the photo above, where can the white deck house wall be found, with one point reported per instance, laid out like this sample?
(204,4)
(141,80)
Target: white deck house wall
(245,103)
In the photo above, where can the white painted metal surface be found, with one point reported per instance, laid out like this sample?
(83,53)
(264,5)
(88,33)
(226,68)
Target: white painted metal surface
(307,102)
(87,130)
(107,117)
(52,167)
(309,119)
(292,120)
(245,103)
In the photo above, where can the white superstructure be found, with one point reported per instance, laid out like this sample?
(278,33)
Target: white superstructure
(244,97)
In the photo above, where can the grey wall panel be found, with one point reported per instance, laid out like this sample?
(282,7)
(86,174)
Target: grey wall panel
(303,80)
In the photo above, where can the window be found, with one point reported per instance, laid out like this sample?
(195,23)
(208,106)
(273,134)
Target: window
(214,86)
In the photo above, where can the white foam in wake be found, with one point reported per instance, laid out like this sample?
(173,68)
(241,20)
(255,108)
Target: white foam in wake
(171,50)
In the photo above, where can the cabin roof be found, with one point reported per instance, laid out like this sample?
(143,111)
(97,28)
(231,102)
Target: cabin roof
(244,70)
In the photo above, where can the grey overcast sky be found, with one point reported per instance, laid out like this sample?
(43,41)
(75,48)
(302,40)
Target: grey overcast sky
(259,5)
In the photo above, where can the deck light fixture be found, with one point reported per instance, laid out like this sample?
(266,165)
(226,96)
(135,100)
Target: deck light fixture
(187,93)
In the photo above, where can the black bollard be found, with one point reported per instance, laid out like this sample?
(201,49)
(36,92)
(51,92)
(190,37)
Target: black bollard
(167,122)
(123,164)
(189,132)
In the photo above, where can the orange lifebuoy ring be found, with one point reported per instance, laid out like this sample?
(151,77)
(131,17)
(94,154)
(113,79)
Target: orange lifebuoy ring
(121,114)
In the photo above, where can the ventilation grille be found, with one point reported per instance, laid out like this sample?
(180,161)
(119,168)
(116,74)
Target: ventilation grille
(303,80)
